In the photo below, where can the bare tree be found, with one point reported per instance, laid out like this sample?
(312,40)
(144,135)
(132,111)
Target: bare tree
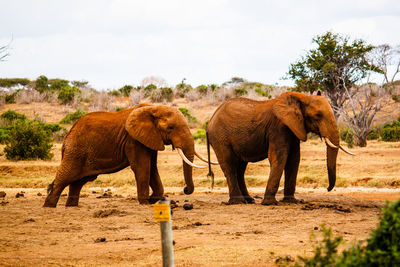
(360,110)
(385,56)
(157,81)
(4,51)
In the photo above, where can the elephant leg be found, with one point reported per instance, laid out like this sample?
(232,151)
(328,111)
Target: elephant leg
(53,194)
(291,169)
(241,168)
(155,181)
(277,159)
(140,161)
(229,167)
(75,190)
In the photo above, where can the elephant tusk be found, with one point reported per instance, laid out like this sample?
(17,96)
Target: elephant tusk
(185,159)
(329,143)
(203,159)
(348,152)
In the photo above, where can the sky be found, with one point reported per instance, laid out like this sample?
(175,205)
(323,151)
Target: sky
(111,43)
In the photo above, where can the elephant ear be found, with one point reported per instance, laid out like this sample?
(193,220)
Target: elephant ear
(288,110)
(140,125)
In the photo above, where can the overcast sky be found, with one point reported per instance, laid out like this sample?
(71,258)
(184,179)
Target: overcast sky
(116,42)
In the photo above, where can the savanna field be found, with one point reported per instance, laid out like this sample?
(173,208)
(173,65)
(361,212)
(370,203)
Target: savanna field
(109,227)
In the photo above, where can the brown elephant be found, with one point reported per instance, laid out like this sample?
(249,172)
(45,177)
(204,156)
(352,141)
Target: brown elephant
(106,142)
(244,130)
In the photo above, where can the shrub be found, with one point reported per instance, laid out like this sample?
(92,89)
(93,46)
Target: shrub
(11,115)
(73,117)
(126,90)
(374,134)
(42,84)
(240,91)
(200,134)
(202,89)
(391,132)
(148,89)
(67,94)
(182,89)
(382,248)
(162,94)
(28,140)
(58,84)
(187,115)
(396,98)
(347,136)
(10,97)
(11,82)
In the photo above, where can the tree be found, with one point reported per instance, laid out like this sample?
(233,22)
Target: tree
(384,56)
(4,51)
(360,110)
(336,64)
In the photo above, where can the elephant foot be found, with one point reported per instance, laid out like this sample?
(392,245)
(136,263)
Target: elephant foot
(49,205)
(154,199)
(269,201)
(72,201)
(236,200)
(291,199)
(144,201)
(249,200)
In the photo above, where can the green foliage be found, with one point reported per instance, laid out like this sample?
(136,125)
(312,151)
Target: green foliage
(187,115)
(148,89)
(58,84)
(42,84)
(396,98)
(391,132)
(9,97)
(347,136)
(374,134)
(240,91)
(334,59)
(382,248)
(200,134)
(79,84)
(67,94)
(205,124)
(202,89)
(119,109)
(28,140)
(11,115)
(73,117)
(126,90)
(182,89)
(326,253)
(11,82)
(162,94)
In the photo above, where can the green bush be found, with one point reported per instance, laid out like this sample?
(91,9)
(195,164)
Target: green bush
(374,134)
(28,140)
(396,98)
(202,89)
(347,136)
(42,84)
(58,84)
(200,134)
(11,82)
(187,115)
(11,115)
(382,248)
(391,132)
(182,89)
(67,94)
(240,92)
(73,117)
(126,90)
(117,109)
(148,89)
(161,94)
(9,97)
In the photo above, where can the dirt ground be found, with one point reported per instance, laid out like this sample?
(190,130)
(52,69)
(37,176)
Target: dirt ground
(111,228)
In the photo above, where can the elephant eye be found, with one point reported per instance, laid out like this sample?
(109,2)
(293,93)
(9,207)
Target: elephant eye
(170,127)
(319,115)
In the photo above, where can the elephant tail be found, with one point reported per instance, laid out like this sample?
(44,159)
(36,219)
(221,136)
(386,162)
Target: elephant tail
(210,172)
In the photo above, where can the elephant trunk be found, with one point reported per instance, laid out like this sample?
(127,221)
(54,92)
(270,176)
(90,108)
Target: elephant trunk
(188,170)
(331,155)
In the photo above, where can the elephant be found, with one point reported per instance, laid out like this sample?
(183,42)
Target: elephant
(106,142)
(243,130)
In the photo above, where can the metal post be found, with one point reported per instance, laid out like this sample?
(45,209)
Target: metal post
(162,213)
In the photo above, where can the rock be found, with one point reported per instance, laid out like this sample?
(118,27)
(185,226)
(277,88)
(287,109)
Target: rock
(188,206)
(39,194)
(100,239)
(20,194)
(2,194)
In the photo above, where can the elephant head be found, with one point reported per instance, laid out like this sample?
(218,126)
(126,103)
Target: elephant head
(303,114)
(156,126)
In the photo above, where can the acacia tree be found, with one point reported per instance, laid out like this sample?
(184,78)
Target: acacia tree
(334,65)
(384,56)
